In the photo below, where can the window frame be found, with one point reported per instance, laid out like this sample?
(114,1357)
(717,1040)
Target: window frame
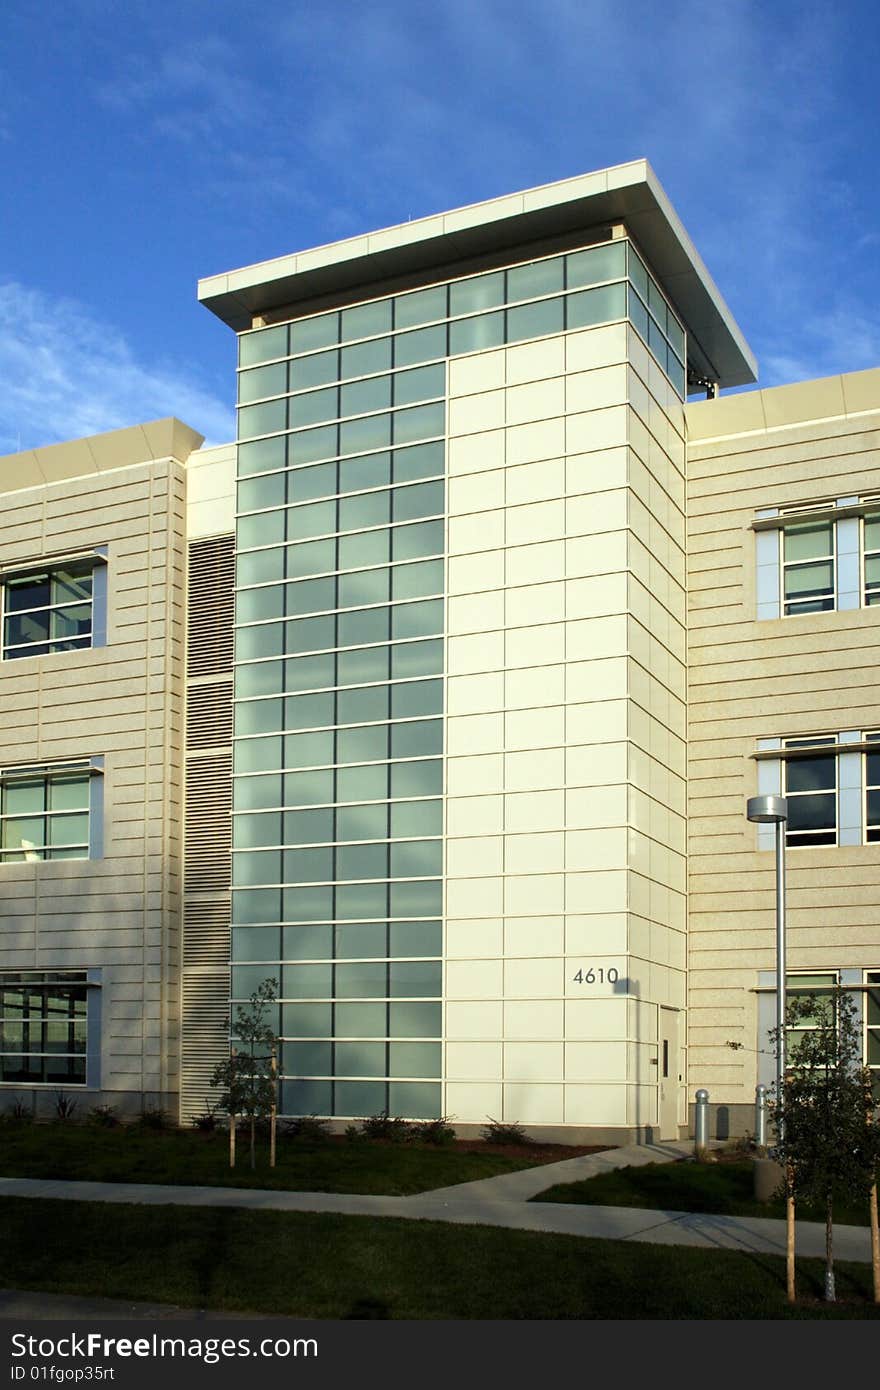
(849,556)
(795,607)
(48,773)
(73,982)
(870,737)
(821,746)
(49,566)
(819,990)
(870,981)
(870,598)
(669,335)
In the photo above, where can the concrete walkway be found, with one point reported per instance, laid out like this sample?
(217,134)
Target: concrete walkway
(26,1306)
(500,1201)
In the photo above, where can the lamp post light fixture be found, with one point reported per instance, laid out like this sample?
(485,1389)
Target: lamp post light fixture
(773,810)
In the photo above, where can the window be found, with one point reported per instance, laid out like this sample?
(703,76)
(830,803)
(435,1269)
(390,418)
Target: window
(832,784)
(818,557)
(808,567)
(56,608)
(872,1026)
(818,990)
(871,554)
(872,790)
(43,1027)
(810,786)
(816,993)
(49,813)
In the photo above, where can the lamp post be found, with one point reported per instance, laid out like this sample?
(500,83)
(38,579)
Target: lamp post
(773,810)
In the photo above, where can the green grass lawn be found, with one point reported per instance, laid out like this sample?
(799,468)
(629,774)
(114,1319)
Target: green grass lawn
(724,1188)
(327,1266)
(132,1153)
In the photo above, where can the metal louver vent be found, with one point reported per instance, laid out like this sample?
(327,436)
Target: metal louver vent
(207,934)
(208,841)
(211,606)
(209,715)
(208,827)
(204,1033)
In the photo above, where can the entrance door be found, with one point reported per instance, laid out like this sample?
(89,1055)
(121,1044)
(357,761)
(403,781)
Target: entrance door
(669,1067)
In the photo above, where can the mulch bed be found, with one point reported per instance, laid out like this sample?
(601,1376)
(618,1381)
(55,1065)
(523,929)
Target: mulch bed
(537,1153)
(534,1154)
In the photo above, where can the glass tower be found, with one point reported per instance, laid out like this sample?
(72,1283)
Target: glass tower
(339,675)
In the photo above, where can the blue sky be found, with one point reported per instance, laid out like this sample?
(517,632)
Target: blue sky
(144,145)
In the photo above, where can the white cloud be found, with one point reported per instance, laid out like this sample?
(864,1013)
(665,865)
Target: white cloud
(842,340)
(65,375)
(193,92)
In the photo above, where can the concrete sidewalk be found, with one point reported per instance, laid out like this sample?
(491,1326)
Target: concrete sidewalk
(528,1182)
(26,1306)
(500,1201)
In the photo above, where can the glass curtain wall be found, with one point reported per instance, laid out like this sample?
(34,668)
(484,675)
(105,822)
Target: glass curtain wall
(338,810)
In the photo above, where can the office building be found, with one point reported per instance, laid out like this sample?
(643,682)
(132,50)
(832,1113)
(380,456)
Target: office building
(518,628)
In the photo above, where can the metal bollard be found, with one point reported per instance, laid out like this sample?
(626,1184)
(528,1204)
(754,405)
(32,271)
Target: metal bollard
(701,1124)
(760,1117)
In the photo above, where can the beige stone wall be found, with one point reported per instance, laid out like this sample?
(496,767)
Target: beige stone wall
(564,729)
(786,677)
(119,913)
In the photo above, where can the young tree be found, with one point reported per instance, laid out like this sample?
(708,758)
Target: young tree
(828,1131)
(248,1075)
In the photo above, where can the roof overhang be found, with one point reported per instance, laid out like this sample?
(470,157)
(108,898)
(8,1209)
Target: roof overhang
(629,194)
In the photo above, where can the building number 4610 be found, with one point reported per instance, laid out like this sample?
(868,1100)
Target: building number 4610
(592,976)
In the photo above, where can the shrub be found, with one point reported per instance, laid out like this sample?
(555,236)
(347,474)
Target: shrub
(206,1122)
(741,1146)
(104,1115)
(439,1131)
(497,1132)
(384,1126)
(19,1112)
(307,1127)
(65,1107)
(154,1118)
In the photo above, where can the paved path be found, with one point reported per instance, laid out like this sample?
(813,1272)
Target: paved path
(500,1201)
(21,1305)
